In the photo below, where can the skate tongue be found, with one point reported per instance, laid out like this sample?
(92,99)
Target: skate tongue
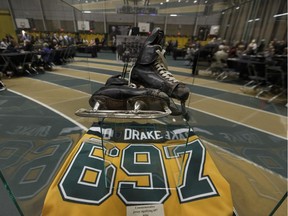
(148,55)
(155,38)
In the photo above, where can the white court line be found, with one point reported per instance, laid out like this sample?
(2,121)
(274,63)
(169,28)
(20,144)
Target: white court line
(58,73)
(52,109)
(240,105)
(239,123)
(50,83)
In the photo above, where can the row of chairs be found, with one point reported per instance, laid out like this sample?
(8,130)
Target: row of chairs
(30,63)
(266,80)
(268,83)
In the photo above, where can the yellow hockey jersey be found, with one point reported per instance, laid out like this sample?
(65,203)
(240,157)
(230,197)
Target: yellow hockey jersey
(138,170)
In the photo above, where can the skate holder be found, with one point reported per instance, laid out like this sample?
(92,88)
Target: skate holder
(136,113)
(147,152)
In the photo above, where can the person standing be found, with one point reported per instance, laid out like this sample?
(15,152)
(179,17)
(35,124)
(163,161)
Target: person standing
(93,48)
(195,62)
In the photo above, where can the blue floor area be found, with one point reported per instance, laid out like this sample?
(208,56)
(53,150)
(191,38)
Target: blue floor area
(34,142)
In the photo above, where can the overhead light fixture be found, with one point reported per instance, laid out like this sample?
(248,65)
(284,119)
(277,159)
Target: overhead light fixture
(277,15)
(237,8)
(195,1)
(161,3)
(167,0)
(174,15)
(87,12)
(257,19)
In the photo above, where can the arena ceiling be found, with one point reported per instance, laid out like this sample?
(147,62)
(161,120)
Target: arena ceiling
(154,7)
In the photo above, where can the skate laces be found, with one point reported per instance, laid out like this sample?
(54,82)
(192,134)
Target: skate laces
(162,68)
(132,85)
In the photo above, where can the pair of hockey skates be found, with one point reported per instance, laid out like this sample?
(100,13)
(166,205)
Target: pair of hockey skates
(147,93)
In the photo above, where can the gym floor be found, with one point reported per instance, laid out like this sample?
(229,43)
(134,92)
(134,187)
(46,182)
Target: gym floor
(246,136)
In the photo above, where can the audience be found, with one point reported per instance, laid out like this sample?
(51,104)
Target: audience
(42,47)
(222,49)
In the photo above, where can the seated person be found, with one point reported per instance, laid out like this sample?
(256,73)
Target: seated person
(28,46)
(46,55)
(190,52)
(43,59)
(4,44)
(12,47)
(251,48)
(219,60)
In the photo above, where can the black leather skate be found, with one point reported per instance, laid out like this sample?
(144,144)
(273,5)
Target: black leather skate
(123,101)
(151,70)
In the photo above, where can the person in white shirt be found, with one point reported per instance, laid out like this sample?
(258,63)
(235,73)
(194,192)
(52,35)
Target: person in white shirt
(4,44)
(219,60)
(252,48)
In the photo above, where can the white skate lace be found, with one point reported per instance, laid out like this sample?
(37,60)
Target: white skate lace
(162,68)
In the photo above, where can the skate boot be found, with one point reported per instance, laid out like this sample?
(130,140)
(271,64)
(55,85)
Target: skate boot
(123,101)
(151,70)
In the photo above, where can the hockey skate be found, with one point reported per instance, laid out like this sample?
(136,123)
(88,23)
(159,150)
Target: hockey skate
(118,100)
(151,70)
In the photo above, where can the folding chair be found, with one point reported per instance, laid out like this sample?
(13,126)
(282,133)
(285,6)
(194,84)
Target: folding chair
(277,79)
(256,75)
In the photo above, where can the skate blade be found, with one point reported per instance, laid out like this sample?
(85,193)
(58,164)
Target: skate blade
(124,114)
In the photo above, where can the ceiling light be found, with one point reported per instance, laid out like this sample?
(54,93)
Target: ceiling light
(86,12)
(237,8)
(173,15)
(195,1)
(161,3)
(277,15)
